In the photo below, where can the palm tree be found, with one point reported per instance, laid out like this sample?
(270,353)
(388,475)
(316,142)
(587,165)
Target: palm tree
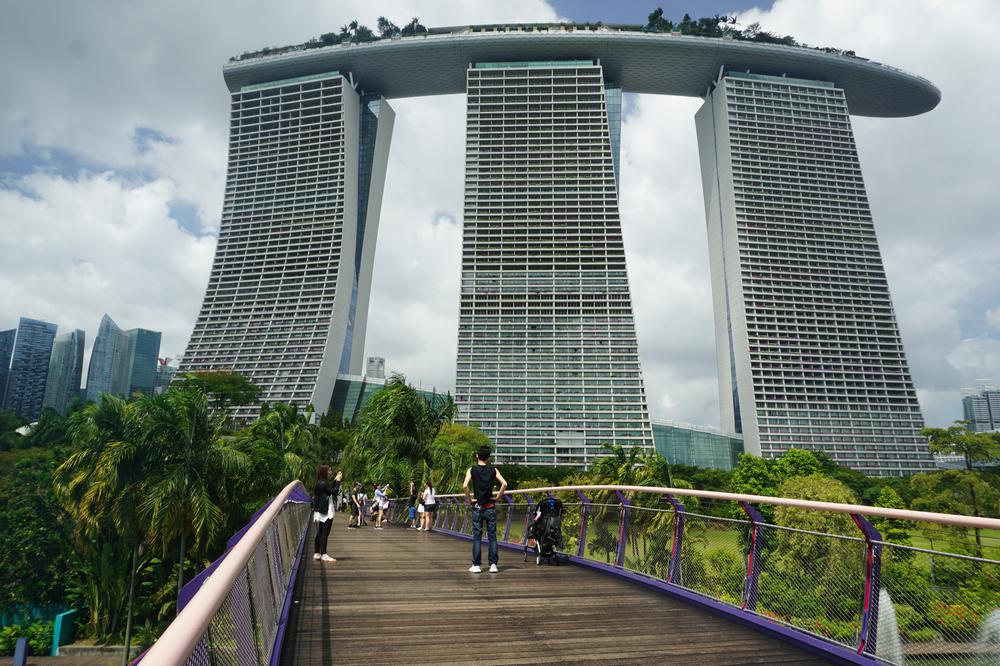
(395,431)
(100,485)
(284,441)
(187,489)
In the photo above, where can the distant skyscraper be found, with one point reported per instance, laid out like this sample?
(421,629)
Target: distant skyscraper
(105,374)
(548,364)
(29,368)
(376,367)
(287,299)
(165,371)
(808,349)
(981,408)
(141,361)
(122,362)
(65,371)
(6,349)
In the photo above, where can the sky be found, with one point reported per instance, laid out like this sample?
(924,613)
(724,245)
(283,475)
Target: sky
(113,135)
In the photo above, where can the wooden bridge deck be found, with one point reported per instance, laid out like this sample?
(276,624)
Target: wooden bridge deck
(398,596)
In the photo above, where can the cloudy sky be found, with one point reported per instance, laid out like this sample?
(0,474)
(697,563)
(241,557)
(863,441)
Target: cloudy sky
(113,124)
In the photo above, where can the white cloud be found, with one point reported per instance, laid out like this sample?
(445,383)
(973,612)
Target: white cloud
(78,244)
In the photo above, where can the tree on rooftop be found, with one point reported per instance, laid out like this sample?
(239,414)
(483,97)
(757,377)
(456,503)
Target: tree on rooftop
(386,28)
(413,27)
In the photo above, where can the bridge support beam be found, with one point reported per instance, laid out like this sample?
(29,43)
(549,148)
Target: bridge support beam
(623,517)
(581,547)
(753,556)
(674,567)
(873,583)
(465,507)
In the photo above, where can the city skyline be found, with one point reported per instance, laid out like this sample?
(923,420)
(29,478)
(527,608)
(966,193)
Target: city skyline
(947,326)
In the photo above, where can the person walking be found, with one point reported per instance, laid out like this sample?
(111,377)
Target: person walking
(430,506)
(483,476)
(324,495)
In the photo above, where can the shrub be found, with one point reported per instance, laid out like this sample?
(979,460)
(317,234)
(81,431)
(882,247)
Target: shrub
(921,635)
(954,619)
(39,635)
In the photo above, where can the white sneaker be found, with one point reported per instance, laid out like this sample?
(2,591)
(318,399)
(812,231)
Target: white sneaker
(475,568)
(317,556)
(327,558)
(493,568)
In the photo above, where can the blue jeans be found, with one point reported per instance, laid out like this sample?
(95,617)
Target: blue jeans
(477,534)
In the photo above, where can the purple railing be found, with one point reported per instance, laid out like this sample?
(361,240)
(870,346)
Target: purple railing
(816,574)
(235,612)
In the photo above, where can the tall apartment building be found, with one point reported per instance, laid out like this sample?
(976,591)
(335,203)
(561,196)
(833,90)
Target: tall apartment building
(808,349)
(6,350)
(548,363)
(981,408)
(29,368)
(65,371)
(122,362)
(287,298)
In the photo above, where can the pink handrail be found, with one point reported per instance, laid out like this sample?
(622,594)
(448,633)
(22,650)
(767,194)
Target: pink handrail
(955,520)
(179,639)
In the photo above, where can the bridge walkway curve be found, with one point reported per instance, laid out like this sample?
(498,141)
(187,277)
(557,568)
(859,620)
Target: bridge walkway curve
(398,596)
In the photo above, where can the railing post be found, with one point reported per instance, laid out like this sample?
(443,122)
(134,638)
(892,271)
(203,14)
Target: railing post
(506,526)
(623,516)
(674,566)
(445,519)
(753,556)
(465,515)
(528,517)
(873,584)
(581,548)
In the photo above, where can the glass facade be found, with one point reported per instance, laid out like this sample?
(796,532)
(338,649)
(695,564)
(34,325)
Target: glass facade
(29,368)
(808,348)
(685,444)
(548,363)
(106,372)
(141,360)
(351,392)
(62,386)
(6,350)
(981,409)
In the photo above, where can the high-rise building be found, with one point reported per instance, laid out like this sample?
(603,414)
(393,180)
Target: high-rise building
(122,362)
(808,349)
(141,361)
(375,368)
(981,407)
(106,373)
(29,368)
(287,297)
(65,371)
(6,349)
(165,370)
(548,364)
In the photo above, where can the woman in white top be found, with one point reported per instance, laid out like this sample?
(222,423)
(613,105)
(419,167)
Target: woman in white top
(430,506)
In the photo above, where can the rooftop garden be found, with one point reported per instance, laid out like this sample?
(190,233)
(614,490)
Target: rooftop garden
(718,27)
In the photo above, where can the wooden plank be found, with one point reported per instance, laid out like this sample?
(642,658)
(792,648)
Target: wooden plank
(398,596)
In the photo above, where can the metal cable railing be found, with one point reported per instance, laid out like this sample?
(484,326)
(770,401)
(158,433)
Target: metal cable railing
(234,613)
(823,572)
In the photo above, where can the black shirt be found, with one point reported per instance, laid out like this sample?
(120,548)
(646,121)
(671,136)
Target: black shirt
(483,478)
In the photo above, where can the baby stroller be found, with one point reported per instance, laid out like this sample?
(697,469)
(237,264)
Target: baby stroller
(545,533)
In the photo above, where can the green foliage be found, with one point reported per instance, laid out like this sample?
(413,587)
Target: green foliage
(9,437)
(394,435)
(894,531)
(974,447)
(39,635)
(51,429)
(33,532)
(224,389)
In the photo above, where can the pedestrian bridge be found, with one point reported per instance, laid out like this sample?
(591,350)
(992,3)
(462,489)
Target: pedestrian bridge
(651,575)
